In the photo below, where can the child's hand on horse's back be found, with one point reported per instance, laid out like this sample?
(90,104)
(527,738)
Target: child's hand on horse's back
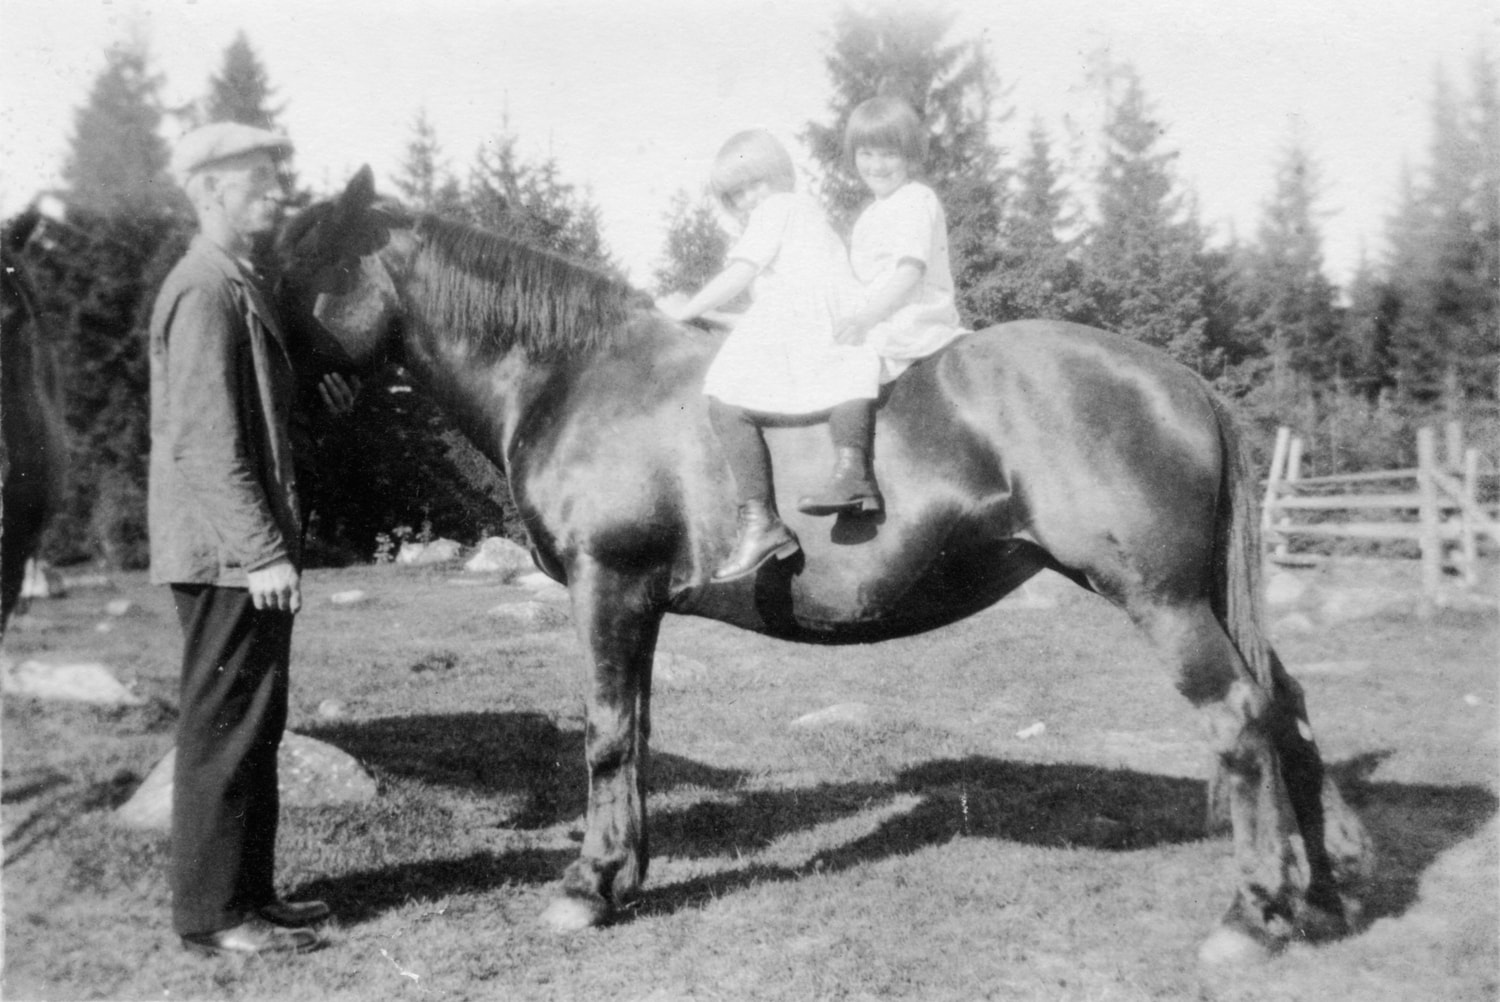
(674,305)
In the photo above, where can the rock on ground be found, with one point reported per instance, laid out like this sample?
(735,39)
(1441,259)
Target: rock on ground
(82,683)
(530,615)
(439,551)
(312,774)
(851,714)
(542,585)
(499,556)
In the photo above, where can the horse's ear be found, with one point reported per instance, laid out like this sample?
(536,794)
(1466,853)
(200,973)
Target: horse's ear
(342,229)
(361,188)
(19,229)
(359,195)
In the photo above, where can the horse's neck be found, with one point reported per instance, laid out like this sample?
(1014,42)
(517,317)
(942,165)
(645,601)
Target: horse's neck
(503,401)
(486,397)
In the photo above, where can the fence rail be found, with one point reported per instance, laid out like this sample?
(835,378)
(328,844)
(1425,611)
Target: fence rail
(1448,507)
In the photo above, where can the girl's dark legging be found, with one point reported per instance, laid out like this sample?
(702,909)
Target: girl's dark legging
(745,449)
(851,424)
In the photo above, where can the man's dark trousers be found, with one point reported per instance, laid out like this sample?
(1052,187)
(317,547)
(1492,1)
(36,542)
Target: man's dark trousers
(233,709)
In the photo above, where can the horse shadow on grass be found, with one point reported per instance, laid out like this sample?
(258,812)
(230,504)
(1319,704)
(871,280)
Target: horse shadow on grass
(526,761)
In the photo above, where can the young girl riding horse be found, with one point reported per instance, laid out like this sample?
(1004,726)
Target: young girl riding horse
(899,253)
(781,357)
(809,342)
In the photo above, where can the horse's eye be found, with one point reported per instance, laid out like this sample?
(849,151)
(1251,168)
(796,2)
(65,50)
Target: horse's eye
(334,279)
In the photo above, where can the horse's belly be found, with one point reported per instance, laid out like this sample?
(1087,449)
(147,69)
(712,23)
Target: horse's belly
(857,592)
(855,596)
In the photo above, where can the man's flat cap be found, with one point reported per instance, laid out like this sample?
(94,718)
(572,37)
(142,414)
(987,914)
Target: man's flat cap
(210,144)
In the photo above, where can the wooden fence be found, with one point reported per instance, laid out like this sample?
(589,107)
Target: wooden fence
(1446,504)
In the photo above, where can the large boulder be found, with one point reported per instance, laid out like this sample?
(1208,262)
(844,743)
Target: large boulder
(312,773)
(87,682)
(439,551)
(499,556)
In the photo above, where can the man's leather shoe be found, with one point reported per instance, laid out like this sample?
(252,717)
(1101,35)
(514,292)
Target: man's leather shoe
(252,937)
(294,914)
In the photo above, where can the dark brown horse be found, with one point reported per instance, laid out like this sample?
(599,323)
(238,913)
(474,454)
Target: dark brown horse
(31,442)
(1026,446)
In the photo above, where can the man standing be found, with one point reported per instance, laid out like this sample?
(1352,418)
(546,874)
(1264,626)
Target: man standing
(226,536)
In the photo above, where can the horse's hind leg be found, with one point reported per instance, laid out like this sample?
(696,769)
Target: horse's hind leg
(1271,777)
(618,625)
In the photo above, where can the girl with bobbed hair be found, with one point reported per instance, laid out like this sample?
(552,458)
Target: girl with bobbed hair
(898,251)
(780,357)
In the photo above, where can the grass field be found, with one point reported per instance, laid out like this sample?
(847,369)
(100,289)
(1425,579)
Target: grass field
(922,851)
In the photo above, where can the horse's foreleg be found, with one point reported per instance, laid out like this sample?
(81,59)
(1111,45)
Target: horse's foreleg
(1271,778)
(618,625)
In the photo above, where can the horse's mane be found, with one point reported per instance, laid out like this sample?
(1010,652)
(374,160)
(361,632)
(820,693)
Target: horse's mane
(501,292)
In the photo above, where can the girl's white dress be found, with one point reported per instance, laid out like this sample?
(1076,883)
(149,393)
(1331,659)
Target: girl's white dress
(907,223)
(781,357)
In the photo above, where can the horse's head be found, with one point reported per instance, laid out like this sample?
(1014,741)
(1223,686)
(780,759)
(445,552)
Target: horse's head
(334,262)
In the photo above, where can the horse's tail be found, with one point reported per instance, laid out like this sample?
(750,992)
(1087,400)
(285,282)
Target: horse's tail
(1238,593)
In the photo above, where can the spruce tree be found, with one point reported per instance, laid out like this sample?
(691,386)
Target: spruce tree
(1144,252)
(530,201)
(121,210)
(117,160)
(241,92)
(695,248)
(1443,258)
(425,183)
(1365,334)
(1038,274)
(899,50)
(1287,303)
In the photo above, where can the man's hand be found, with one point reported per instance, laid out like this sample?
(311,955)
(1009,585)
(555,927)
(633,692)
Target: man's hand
(338,393)
(278,586)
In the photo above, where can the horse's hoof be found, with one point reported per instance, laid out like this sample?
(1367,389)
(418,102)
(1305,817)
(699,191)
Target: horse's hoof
(1230,946)
(1322,925)
(569,914)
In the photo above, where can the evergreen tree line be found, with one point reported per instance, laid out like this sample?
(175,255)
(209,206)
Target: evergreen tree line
(1415,337)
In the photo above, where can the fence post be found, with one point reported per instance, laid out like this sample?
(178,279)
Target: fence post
(1292,475)
(1431,538)
(1453,446)
(1273,481)
(1468,531)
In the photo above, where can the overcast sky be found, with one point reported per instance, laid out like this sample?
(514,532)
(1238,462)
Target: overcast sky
(632,98)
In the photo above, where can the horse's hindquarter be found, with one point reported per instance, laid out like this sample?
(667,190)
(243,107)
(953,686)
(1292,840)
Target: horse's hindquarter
(1112,449)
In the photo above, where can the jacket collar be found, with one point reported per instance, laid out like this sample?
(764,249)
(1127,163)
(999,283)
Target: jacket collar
(239,273)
